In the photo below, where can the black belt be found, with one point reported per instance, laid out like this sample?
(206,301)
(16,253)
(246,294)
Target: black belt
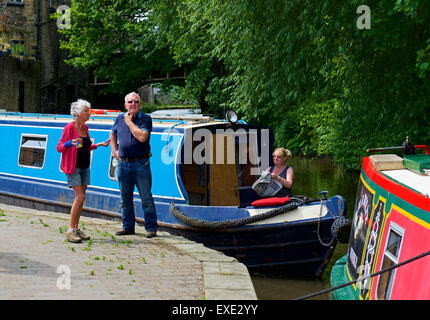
(125,159)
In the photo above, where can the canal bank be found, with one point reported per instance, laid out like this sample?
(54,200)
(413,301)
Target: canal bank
(36,262)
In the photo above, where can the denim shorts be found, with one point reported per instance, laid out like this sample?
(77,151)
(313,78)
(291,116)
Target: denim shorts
(80,178)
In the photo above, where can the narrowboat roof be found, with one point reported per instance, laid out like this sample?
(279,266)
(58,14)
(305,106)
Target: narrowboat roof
(411,171)
(159,119)
(411,179)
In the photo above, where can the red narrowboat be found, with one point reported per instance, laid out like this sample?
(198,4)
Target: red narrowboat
(388,256)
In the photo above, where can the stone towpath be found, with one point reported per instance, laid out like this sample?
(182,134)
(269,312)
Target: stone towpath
(36,262)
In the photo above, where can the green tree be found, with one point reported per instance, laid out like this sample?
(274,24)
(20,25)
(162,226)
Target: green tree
(115,39)
(302,67)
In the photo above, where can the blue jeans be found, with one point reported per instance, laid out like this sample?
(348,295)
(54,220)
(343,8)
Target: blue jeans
(131,174)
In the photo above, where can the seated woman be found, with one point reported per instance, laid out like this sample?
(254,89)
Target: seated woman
(281,171)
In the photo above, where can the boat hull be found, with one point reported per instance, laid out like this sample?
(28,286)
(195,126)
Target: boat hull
(289,249)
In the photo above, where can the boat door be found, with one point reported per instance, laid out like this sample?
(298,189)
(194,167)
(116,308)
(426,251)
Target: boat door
(223,182)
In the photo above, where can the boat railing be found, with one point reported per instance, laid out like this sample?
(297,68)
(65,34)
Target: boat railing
(399,148)
(11,114)
(161,118)
(187,118)
(46,116)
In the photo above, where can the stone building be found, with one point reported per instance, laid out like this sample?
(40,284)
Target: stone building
(33,74)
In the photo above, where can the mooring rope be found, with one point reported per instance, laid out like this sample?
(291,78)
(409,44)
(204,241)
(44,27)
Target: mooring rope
(359,279)
(340,229)
(206,224)
(295,201)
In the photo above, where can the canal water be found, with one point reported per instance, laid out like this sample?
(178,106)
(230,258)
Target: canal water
(311,177)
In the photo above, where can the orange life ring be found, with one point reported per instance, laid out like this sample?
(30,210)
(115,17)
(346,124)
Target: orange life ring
(103,111)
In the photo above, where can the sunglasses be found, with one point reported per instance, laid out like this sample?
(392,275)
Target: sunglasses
(133,101)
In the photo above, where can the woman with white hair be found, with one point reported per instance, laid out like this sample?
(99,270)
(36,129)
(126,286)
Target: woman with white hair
(75,146)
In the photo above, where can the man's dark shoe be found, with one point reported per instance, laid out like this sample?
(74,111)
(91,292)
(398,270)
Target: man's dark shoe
(123,232)
(151,234)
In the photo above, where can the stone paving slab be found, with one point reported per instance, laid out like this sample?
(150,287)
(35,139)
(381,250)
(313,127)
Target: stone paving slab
(36,262)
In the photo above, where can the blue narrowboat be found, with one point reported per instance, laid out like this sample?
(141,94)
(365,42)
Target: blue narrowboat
(202,175)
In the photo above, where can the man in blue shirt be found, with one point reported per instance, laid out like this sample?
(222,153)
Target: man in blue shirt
(131,132)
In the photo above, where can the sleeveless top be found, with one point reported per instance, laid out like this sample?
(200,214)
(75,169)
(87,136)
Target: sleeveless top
(284,192)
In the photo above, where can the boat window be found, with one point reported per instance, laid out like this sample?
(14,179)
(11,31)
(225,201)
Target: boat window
(113,165)
(393,245)
(246,160)
(391,257)
(32,151)
(194,177)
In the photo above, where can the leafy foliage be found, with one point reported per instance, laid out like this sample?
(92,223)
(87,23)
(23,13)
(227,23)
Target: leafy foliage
(302,67)
(116,39)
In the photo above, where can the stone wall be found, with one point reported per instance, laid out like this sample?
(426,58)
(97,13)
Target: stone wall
(31,62)
(19,85)
(61,84)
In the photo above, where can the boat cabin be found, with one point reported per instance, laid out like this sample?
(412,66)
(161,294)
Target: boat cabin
(195,159)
